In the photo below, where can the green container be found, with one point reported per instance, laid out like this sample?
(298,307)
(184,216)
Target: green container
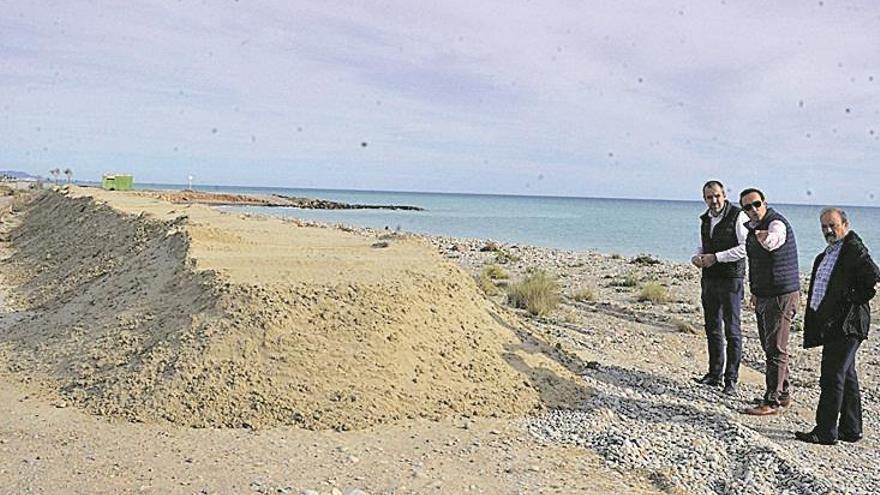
(117,182)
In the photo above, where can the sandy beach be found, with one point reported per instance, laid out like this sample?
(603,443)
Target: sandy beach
(153,347)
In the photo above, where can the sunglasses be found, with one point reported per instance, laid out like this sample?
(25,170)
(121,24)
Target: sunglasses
(751,206)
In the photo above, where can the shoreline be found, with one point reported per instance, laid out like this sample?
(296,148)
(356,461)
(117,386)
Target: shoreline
(572,233)
(438,220)
(234,188)
(477,243)
(189,196)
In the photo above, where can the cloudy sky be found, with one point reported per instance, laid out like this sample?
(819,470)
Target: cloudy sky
(583,98)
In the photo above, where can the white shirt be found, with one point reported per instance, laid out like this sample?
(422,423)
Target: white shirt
(737,252)
(776,235)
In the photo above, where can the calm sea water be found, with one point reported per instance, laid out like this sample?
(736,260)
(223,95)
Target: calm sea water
(666,229)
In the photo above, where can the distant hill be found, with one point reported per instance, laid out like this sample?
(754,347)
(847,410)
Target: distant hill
(18,175)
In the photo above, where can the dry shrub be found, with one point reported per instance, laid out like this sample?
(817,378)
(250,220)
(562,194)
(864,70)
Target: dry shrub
(629,280)
(495,272)
(653,292)
(645,259)
(489,246)
(584,294)
(504,257)
(684,326)
(20,202)
(537,293)
(570,316)
(487,285)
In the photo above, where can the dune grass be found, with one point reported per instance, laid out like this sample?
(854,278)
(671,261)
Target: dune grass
(653,292)
(504,257)
(628,280)
(487,285)
(538,293)
(495,272)
(584,294)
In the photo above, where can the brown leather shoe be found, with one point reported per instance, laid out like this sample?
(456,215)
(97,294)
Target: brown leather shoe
(762,410)
(782,402)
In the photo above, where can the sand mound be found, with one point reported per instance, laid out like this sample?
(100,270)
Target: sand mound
(134,310)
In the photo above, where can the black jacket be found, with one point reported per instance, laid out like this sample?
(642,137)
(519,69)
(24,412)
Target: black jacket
(844,311)
(723,238)
(772,273)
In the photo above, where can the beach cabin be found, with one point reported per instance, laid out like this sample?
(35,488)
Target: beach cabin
(117,182)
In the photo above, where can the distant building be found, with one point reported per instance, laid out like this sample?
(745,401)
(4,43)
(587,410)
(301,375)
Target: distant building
(17,176)
(19,181)
(117,182)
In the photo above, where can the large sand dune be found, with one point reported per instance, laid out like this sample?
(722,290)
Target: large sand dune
(137,308)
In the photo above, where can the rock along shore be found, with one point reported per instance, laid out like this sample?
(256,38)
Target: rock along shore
(274,200)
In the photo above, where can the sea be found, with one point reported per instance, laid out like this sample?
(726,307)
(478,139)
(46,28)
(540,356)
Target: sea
(661,228)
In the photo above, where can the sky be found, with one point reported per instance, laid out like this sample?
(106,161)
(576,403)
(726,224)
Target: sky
(634,99)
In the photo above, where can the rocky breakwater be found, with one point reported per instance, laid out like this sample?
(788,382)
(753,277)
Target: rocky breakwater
(323,204)
(274,200)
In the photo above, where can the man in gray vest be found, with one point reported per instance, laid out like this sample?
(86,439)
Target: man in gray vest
(721,256)
(775,285)
(838,318)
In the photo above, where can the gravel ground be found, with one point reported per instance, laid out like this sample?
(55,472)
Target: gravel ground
(646,414)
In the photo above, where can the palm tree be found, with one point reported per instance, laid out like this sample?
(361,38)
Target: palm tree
(56,172)
(69,174)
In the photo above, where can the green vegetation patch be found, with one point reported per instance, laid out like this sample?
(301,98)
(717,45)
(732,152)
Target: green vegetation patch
(487,285)
(538,293)
(504,257)
(653,292)
(495,272)
(628,280)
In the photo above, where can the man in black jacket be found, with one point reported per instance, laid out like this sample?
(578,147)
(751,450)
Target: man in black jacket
(721,256)
(838,317)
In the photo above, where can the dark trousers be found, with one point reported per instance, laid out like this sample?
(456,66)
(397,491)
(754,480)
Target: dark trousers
(774,315)
(840,399)
(722,305)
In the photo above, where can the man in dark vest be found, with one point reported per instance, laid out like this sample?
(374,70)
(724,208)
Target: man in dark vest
(721,256)
(838,316)
(775,285)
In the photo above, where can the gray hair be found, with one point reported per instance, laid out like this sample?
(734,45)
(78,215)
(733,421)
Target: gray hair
(713,183)
(834,209)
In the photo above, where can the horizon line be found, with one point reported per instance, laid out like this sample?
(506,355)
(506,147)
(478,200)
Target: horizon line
(449,193)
